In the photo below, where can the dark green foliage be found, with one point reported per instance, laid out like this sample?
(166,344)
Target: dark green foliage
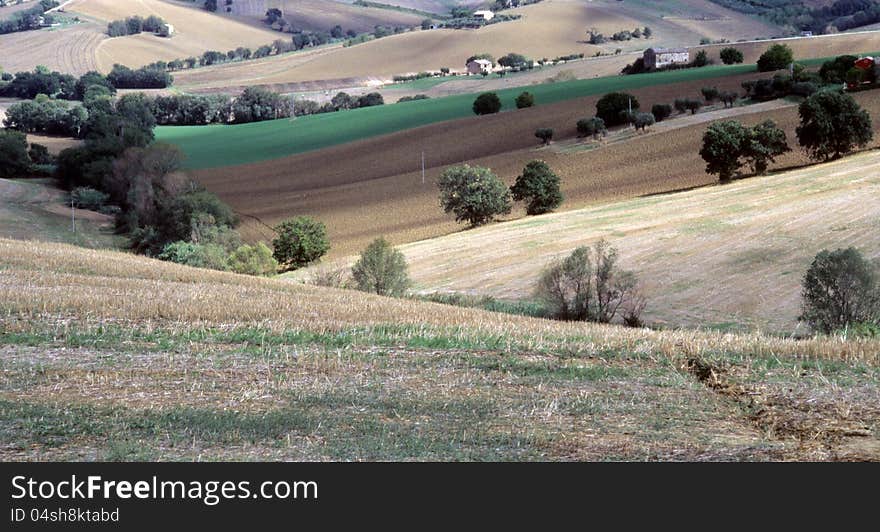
(731,56)
(643,120)
(43,115)
(91,79)
(728,98)
(371,99)
(688,104)
(474,194)
(381,269)
(256,104)
(661,111)
(123,77)
(834,71)
(300,241)
(610,106)
(839,289)
(525,99)
(832,125)
(545,134)
(211,5)
(27,85)
(776,57)
(701,59)
(13,154)
(89,198)
(210,256)
(487,103)
(728,144)
(39,154)
(593,126)
(710,94)
(253,260)
(512,60)
(539,187)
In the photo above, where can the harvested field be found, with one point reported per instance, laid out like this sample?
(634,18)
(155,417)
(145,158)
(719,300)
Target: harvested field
(728,256)
(322,15)
(354,187)
(9,10)
(196,31)
(70,49)
(107,356)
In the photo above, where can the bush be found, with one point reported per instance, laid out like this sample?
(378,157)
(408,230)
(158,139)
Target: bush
(776,57)
(710,94)
(39,154)
(300,241)
(728,98)
(730,56)
(594,126)
(588,286)
(539,186)
(253,260)
(14,154)
(643,120)
(610,106)
(839,289)
(473,194)
(688,104)
(545,134)
(661,111)
(209,256)
(381,269)
(832,125)
(701,59)
(487,103)
(89,198)
(526,99)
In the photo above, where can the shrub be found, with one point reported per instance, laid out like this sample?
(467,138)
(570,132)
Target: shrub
(39,154)
(587,285)
(701,59)
(330,277)
(209,256)
(609,107)
(526,99)
(89,198)
(643,120)
(538,186)
(804,89)
(776,57)
(473,194)
(545,134)
(14,154)
(300,241)
(832,125)
(661,111)
(381,269)
(487,103)
(730,56)
(728,98)
(594,126)
(839,289)
(253,260)
(710,94)
(688,104)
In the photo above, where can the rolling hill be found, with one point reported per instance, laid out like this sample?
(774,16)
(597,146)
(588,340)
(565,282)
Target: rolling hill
(108,356)
(322,15)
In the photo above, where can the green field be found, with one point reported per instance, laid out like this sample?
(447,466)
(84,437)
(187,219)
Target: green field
(223,145)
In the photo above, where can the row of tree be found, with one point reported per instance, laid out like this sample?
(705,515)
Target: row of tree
(27,85)
(137,24)
(29,19)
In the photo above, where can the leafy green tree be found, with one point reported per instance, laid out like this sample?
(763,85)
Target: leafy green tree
(839,289)
(832,125)
(702,59)
(593,126)
(776,57)
(253,260)
(643,120)
(381,269)
(300,241)
(661,111)
(209,256)
(610,106)
(538,186)
(525,99)
(722,148)
(766,142)
(512,60)
(14,154)
(710,94)
(731,56)
(474,194)
(487,103)
(211,5)
(545,134)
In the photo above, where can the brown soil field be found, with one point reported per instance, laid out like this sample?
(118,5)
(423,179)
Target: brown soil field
(374,187)
(196,31)
(322,15)
(70,50)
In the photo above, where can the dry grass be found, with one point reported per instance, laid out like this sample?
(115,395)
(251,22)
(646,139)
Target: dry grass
(70,50)
(107,356)
(321,15)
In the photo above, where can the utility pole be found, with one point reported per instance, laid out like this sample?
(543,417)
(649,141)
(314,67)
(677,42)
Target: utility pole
(423,167)
(72,213)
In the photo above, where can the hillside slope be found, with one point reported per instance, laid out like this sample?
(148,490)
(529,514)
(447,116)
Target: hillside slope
(724,256)
(108,356)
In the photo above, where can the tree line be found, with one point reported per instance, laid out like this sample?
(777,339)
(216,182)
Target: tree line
(137,24)
(29,19)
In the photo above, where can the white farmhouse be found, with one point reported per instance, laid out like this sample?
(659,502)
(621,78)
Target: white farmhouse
(484,14)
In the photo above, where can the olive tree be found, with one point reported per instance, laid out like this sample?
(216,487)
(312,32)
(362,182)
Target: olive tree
(474,194)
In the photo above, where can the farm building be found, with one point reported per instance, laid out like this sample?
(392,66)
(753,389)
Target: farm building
(661,57)
(484,14)
(479,66)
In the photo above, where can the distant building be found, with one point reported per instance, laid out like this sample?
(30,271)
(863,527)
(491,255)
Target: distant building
(661,57)
(806,34)
(479,66)
(484,14)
